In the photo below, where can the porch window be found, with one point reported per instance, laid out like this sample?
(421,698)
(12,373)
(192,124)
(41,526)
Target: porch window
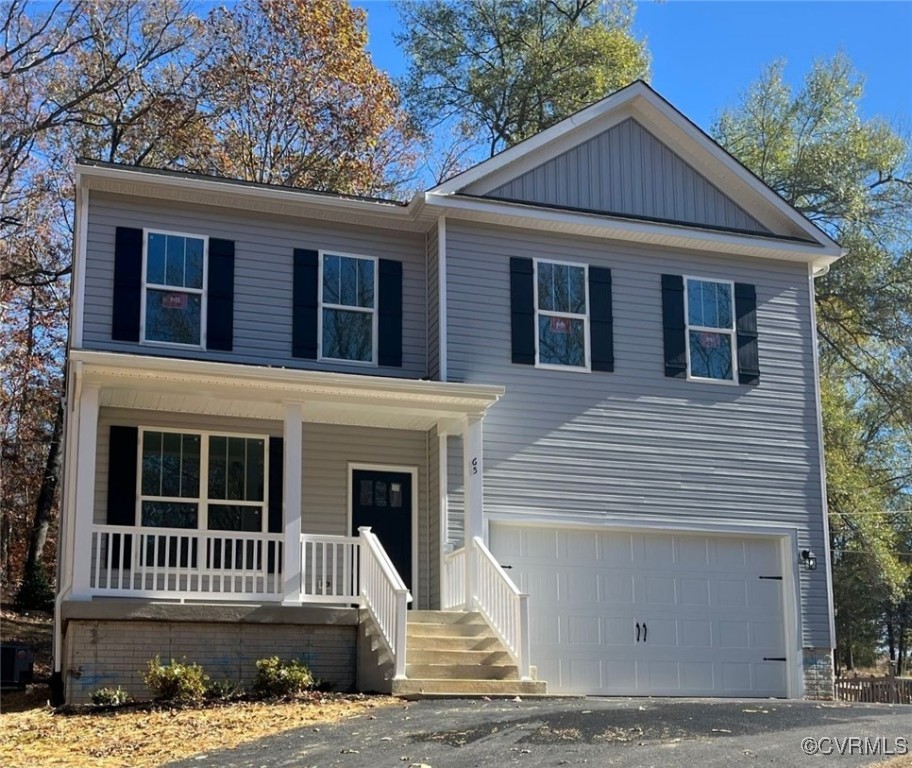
(233,496)
(348,308)
(562,318)
(173,293)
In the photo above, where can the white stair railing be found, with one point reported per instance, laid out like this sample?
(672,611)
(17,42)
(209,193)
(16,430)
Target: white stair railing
(454,580)
(499,600)
(329,568)
(385,596)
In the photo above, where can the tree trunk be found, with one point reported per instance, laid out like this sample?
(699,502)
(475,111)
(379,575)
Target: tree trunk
(891,640)
(44,507)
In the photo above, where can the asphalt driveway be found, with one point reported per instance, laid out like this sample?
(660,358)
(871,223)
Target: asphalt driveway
(593,732)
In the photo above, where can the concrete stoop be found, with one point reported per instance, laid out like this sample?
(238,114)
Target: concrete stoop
(450,653)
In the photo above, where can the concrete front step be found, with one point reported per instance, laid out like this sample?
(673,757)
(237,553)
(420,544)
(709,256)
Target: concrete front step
(461,671)
(417,687)
(443,643)
(427,629)
(495,655)
(445,617)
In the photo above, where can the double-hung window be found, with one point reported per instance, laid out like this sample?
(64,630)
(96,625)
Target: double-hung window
(173,294)
(203,481)
(562,316)
(348,307)
(710,329)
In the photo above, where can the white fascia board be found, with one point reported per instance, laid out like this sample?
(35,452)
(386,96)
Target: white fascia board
(143,182)
(77,275)
(98,365)
(664,235)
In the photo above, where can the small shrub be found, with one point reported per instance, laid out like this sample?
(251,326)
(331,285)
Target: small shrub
(35,592)
(177,681)
(110,697)
(282,678)
(221,690)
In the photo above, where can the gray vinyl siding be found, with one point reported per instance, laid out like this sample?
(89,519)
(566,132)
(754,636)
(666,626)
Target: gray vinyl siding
(590,447)
(433,304)
(627,170)
(264,247)
(327,451)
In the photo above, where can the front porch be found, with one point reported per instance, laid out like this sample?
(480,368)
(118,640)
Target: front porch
(310,432)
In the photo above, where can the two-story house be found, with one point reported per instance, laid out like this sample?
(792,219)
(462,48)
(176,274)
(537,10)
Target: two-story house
(554,420)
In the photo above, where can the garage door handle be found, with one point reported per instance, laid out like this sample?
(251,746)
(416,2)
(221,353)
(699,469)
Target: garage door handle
(645,630)
(507,567)
(638,631)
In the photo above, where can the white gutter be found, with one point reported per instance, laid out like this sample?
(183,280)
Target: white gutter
(664,235)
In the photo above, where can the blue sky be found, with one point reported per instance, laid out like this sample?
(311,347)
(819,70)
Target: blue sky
(704,54)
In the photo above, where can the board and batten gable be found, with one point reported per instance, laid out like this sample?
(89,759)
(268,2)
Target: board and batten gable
(625,170)
(264,259)
(593,448)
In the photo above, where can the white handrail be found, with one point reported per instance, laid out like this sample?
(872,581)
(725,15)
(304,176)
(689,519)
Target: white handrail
(454,580)
(186,563)
(385,596)
(499,600)
(330,568)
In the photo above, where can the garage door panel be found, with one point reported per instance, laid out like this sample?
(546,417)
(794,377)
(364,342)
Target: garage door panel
(693,591)
(616,588)
(711,619)
(616,549)
(729,593)
(692,552)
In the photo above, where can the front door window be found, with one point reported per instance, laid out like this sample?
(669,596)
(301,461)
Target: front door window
(383,501)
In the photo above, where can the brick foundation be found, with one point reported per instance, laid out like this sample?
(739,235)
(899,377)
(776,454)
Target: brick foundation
(818,673)
(108,653)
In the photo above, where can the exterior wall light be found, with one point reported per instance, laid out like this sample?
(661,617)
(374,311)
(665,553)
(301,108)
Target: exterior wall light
(809,559)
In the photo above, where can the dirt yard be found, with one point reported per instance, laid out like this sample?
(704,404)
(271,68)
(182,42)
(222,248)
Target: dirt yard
(31,733)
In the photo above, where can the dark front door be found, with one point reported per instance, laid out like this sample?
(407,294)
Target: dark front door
(383,501)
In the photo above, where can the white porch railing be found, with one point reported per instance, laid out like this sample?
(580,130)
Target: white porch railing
(176,562)
(454,580)
(385,596)
(489,590)
(330,567)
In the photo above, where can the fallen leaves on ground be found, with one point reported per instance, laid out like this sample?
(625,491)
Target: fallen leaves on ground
(137,738)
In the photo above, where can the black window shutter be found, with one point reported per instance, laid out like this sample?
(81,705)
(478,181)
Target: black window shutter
(220,297)
(276,484)
(673,326)
(305,306)
(522,310)
(746,332)
(601,320)
(122,452)
(128,247)
(389,320)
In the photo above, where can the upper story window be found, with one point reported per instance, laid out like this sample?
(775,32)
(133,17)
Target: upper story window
(174,288)
(562,316)
(710,329)
(348,307)
(207,481)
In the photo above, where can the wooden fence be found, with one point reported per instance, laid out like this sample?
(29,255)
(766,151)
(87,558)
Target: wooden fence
(875,690)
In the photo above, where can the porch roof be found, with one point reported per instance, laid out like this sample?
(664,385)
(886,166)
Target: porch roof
(260,392)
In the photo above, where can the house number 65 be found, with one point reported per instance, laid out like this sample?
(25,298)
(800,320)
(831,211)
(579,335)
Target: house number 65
(475,466)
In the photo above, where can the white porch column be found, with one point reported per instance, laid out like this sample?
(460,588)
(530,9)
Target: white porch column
(472,474)
(86,443)
(291,474)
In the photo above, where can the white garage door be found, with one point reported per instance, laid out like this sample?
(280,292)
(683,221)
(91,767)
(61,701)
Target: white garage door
(623,613)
